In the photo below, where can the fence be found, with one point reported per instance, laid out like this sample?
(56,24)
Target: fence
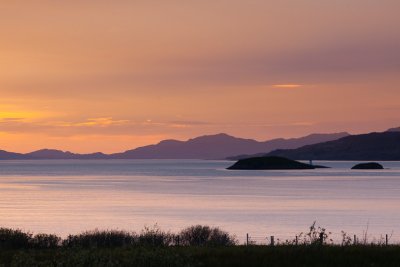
(320,238)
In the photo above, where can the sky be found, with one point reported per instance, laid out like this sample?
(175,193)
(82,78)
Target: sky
(108,76)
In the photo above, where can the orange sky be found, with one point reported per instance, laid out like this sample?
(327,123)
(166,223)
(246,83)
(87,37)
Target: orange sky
(113,75)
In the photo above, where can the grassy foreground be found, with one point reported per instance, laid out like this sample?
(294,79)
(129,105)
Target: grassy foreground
(206,256)
(195,246)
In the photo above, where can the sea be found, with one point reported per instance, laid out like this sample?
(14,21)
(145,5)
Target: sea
(72,196)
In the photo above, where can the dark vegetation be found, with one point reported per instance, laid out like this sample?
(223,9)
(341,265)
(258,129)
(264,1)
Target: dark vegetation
(149,237)
(193,246)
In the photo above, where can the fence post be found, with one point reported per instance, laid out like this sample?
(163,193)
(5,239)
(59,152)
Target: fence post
(297,240)
(387,240)
(177,240)
(272,240)
(247,239)
(355,240)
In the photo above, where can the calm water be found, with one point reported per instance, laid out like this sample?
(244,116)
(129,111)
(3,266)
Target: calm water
(70,196)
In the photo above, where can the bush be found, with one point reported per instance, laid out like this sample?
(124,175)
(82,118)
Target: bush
(200,235)
(154,236)
(314,236)
(46,241)
(100,239)
(10,238)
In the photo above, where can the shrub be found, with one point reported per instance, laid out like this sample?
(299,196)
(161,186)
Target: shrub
(154,236)
(101,239)
(45,241)
(200,235)
(10,238)
(314,235)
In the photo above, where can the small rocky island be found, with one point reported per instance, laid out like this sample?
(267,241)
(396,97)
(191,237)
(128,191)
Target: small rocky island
(368,166)
(271,163)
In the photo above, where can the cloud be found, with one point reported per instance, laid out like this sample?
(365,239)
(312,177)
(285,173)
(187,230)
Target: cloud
(188,123)
(2,120)
(101,126)
(101,122)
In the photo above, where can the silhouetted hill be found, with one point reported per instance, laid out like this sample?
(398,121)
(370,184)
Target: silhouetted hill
(58,154)
(291,144)
(373,146)
(394,129)
(50,153)
(10,155)
(204,147)
(218,146)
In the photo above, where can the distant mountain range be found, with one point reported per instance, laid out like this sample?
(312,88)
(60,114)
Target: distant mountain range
(337,146)
(219,146)
(50,154)
(371,147)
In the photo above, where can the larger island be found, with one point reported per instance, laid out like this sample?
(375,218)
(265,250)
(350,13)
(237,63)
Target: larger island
(271,163)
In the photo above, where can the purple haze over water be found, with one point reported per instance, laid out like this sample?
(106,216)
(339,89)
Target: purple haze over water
(70,196)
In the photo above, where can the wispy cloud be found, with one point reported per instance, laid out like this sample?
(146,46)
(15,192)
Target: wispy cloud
(187,124)
(2,120)
(102,122)
(101,126)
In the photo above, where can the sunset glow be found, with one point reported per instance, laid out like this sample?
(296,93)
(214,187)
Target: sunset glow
(287,85)
(90,76)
